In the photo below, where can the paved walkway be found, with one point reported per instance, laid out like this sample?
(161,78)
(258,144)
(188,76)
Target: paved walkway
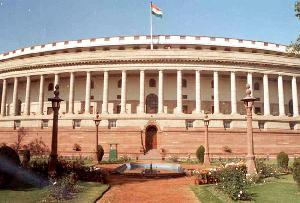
(131,190)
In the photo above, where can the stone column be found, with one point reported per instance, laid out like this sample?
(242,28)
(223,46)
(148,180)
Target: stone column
(295,97)
(27,96)
(198,91)
(266,95)
(3,100)
(15,96)
(160,91)
(216,93)
(280,96)
(233,93)
(105,93)
(41,96)
(142,91)
(87,93)
(179,91)
(71,93)
(56,80)
(250,82)
(123,92)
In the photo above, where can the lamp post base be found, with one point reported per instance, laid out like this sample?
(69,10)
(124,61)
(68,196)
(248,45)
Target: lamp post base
(250,163)
(52,165)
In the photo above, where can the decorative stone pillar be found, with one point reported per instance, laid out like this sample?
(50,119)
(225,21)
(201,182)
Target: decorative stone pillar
(71,93)
(281,96)
(41,96)
(216,93)
(198,91)
(123,92)
(15,96)
(27,96)
(142,91)
(105,93)
(233,93)
(295,97)
(56,79)
(87,93)
(160,91)
(179,91)
(3,100)
(266,95)
(250,82)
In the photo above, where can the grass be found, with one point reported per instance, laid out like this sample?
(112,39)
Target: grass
(276,190)
(91,192)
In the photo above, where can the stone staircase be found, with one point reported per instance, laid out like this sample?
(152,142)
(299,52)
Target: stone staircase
(153,154)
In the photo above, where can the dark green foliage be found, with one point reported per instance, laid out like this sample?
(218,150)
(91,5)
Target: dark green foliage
(233,182)
(200,154)
(26,158)
(100,153)
(283,160)
(266,170)
(9,164)
(296,171)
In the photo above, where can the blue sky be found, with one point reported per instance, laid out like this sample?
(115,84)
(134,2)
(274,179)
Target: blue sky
(27,22)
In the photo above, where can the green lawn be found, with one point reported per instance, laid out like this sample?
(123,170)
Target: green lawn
(277,190)
(91,192)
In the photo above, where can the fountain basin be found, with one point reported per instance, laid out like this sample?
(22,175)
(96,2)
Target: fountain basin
(150,170)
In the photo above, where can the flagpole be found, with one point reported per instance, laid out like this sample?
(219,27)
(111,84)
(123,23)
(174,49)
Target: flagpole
(151,34)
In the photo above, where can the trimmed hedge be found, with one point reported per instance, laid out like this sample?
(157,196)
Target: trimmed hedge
(283,160)
(200,153)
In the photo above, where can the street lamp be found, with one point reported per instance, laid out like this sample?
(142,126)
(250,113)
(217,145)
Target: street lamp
(248,103)
(53,155)
(97,122)
(206,153)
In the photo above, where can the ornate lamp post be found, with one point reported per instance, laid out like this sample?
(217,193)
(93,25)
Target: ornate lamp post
(53,155)
(206,153)
(97,122)
(248,102)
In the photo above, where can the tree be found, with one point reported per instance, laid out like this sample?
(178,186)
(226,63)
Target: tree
(295,46)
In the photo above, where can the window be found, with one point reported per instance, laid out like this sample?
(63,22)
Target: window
(50,87)
(212,108)
(118,96)
(120,83)
(226,123)
(212,39)
(49,110)
(136,37)
(152,82)
(185,109)
(189,124)
(112,123)
(256,86)
(45,123)
(182,37)
(261,124)
(257,110)
(212,84)
(184,83)
(92,84)
(118,109)
(92,97)
(292,125)
(17,124)
(167,37)
(184,96)
(76,123)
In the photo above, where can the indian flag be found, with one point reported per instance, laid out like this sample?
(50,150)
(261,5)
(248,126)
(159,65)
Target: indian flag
(156,11)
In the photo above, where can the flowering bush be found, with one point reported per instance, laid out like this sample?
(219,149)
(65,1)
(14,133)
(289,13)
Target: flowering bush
(296,171)
(232,181)
(266,170)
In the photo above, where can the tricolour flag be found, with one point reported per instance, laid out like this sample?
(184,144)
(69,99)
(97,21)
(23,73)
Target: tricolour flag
(156,11)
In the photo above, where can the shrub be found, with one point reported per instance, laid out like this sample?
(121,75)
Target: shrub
(283,160)
(100,153)
(200,153)
(233,182)
(38,147)
(296,171)
(266,170)
(64,188)
(173,158)
(9,163)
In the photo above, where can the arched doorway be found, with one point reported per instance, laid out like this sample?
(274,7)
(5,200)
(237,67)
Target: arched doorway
(291,110)
(151,138)
(151,103)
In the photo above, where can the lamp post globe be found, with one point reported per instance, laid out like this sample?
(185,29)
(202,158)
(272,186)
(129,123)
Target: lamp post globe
(55,101)
(206,153)
(250,158)
(97,121)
